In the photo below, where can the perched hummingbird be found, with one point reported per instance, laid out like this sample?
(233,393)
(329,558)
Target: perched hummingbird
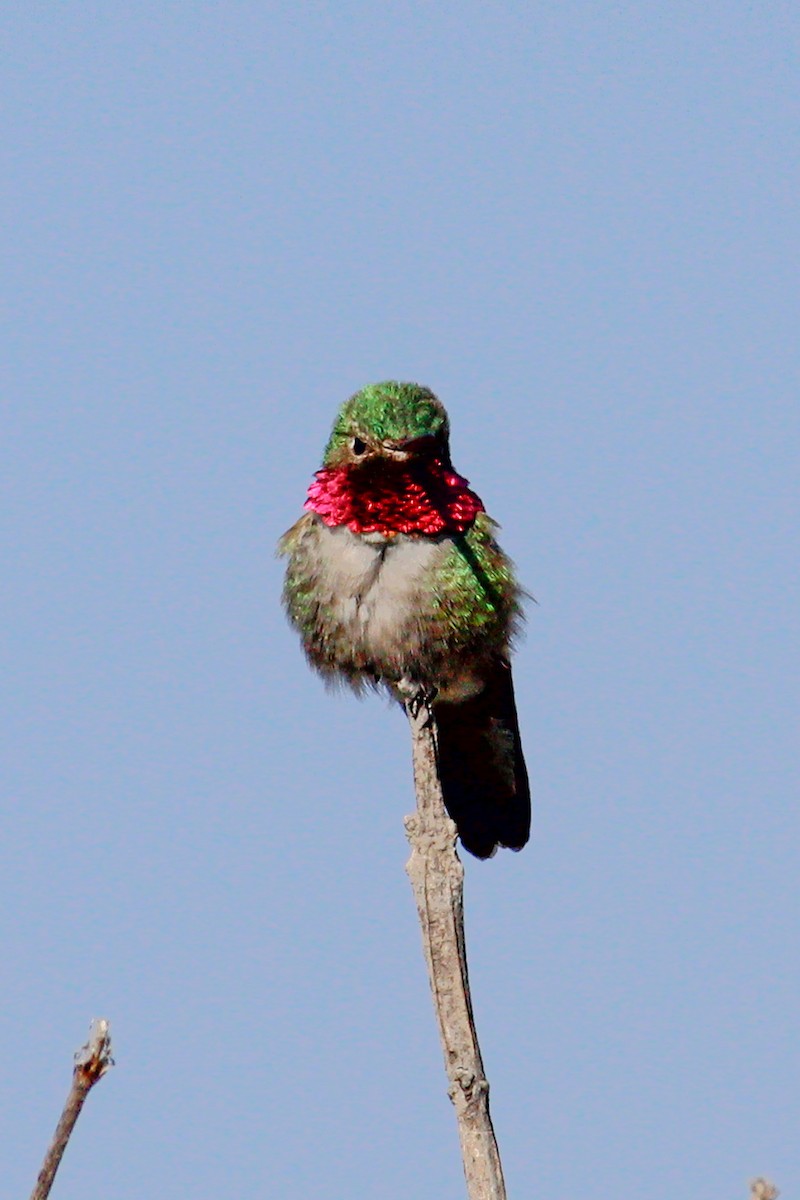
(395,579)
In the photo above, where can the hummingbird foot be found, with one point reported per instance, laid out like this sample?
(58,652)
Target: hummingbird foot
(416,700)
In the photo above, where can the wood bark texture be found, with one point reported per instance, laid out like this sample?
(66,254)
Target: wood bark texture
(91,1063)
(437,877)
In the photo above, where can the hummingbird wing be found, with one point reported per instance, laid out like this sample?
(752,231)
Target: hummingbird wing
(481,767)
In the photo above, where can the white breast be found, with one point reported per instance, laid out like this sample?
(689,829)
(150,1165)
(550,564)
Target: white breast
(376,589)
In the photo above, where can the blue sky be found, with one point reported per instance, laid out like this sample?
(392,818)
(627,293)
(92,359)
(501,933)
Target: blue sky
(578,224)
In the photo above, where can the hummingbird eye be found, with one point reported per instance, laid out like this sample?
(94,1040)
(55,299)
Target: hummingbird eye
(358,446)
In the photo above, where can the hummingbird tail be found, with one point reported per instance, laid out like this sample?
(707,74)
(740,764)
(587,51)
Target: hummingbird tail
(481,768)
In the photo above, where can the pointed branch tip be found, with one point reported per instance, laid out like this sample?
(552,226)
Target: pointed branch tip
(94,1057)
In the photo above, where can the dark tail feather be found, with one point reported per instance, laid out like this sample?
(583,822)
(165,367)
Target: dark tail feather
(481,768)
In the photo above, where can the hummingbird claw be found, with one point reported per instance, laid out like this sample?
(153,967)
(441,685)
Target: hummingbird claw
(417,701)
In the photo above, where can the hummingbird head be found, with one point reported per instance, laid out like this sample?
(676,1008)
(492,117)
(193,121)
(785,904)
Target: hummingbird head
(387,467)
(398,422)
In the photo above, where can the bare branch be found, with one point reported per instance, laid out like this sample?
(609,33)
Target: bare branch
(437,878)
(91,1063)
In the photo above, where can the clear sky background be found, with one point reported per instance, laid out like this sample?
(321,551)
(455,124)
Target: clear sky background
(578,223)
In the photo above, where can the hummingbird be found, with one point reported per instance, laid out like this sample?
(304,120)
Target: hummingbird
(395,581)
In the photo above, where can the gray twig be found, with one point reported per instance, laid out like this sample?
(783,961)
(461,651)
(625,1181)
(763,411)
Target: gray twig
(437,878)
(91,1063)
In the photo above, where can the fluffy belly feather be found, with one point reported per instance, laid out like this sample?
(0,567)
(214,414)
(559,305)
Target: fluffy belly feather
(377,590)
